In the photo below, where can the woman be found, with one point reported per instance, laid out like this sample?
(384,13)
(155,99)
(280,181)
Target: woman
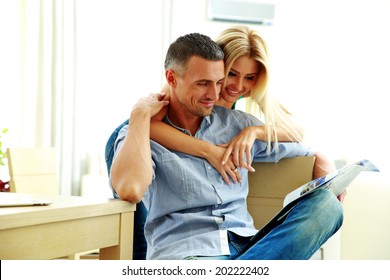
(246,62)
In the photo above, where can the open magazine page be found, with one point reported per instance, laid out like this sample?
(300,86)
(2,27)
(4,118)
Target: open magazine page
(337,182)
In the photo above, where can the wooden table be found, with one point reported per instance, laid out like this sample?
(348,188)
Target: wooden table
(69,225)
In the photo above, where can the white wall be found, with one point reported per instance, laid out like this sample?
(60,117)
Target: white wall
(329,64)
(366,229)
(119,60)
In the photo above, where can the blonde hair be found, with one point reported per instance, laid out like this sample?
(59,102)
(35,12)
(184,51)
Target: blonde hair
(240,41)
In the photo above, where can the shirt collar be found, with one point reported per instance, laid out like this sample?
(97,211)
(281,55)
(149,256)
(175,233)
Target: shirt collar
(205,120)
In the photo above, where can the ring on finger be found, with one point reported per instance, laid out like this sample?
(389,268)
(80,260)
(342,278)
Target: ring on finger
(235,170)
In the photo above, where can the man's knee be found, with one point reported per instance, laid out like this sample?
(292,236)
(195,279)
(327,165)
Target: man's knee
(329,209)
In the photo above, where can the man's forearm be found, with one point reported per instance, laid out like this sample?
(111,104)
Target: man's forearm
(131,171)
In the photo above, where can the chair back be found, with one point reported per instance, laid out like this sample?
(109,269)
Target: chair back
(33,170)
(109,149)
(272,182)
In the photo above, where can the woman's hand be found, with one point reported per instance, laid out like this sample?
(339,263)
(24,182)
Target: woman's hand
(165,98)
(240,146)
(154,103)
(226,170)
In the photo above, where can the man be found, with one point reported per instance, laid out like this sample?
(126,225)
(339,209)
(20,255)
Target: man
(192,212)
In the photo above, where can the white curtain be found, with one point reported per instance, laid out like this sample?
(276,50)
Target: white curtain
(39,71)
(70,72)
(64,91)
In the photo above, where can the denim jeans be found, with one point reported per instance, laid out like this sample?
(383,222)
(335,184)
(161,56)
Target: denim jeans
(309,225)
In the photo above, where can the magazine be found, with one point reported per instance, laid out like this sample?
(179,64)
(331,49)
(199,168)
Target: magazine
(336,182)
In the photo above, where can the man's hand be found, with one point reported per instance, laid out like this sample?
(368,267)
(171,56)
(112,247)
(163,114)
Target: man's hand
(323,166)
(342,196)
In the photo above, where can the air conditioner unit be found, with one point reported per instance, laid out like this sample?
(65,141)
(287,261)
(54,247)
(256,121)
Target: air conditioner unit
(241,11)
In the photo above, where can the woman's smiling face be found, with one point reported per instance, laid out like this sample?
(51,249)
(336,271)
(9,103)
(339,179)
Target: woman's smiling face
(241,79)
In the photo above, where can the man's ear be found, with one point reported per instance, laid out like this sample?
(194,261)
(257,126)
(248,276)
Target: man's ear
(170,76)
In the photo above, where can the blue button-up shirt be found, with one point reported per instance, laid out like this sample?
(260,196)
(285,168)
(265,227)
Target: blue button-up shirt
(191,208)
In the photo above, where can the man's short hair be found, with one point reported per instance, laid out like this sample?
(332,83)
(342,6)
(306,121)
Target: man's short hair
(193,44)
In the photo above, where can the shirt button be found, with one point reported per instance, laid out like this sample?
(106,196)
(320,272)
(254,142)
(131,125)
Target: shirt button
(208,167)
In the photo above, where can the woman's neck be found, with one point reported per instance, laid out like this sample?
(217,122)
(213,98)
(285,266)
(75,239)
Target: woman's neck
(224,103)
